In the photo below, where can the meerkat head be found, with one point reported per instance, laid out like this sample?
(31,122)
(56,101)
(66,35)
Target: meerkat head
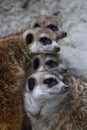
(42,87)
(41,40)
(52,23)
(51,62)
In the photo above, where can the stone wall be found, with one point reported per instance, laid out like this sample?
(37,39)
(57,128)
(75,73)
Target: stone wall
(19,14)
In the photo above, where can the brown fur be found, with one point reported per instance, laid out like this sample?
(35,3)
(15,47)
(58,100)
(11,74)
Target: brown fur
(14,62)
(73,114)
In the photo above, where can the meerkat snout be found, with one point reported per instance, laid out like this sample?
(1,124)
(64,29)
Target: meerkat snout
(41,40)
(61,34)
(52,23)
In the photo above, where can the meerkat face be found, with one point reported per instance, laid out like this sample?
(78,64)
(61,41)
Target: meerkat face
(48,62)
(42,87)
(41,40)
(52,23)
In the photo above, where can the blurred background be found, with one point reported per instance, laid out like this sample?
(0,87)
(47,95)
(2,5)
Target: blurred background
(16,15)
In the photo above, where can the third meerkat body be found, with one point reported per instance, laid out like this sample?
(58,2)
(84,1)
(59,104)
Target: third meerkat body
(51,109)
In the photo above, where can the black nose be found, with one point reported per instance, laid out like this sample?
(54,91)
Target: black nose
(64,34)
(65,88)
(61,35)
(57,49)
(64,70)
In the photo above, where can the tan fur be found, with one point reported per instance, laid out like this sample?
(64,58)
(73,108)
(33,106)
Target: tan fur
(14,62)
(45,20)
(41,31)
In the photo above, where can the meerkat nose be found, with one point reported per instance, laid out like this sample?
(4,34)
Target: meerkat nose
(64,70)
(57,49)
(64,34)
(65,88)
(61,34)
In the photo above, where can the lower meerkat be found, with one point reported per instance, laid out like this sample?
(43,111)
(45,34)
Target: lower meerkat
(52,105)
(15,63)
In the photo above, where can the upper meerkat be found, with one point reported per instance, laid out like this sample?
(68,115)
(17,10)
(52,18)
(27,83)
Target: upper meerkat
(15,63)
(53,105)
(51,22)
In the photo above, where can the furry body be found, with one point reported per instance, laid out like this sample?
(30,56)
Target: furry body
(14,60)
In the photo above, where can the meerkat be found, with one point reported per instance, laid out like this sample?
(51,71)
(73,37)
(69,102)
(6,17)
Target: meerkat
(52,62)
(46,41)
(52,105)
(51,22)
(15,63)
(39,40)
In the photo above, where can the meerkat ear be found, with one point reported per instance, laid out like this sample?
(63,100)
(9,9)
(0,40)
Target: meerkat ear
(28,37)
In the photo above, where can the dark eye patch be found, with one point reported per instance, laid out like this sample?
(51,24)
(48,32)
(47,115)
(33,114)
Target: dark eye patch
(45,40)
(29,38)
(51,63)
(31,83)
(36,25)
(52,27)
(50,82)
(36,63)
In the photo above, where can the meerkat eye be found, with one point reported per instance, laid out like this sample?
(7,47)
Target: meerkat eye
(36,25)
(31,83)
(52,27)
(51,63)
(45,40)
(36,63)
(50,82)
(29,38)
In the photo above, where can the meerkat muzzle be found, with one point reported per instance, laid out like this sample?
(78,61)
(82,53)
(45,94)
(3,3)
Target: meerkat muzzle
(61,34)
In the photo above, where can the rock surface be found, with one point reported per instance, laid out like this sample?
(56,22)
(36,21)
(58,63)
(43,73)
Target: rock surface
(19,14)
